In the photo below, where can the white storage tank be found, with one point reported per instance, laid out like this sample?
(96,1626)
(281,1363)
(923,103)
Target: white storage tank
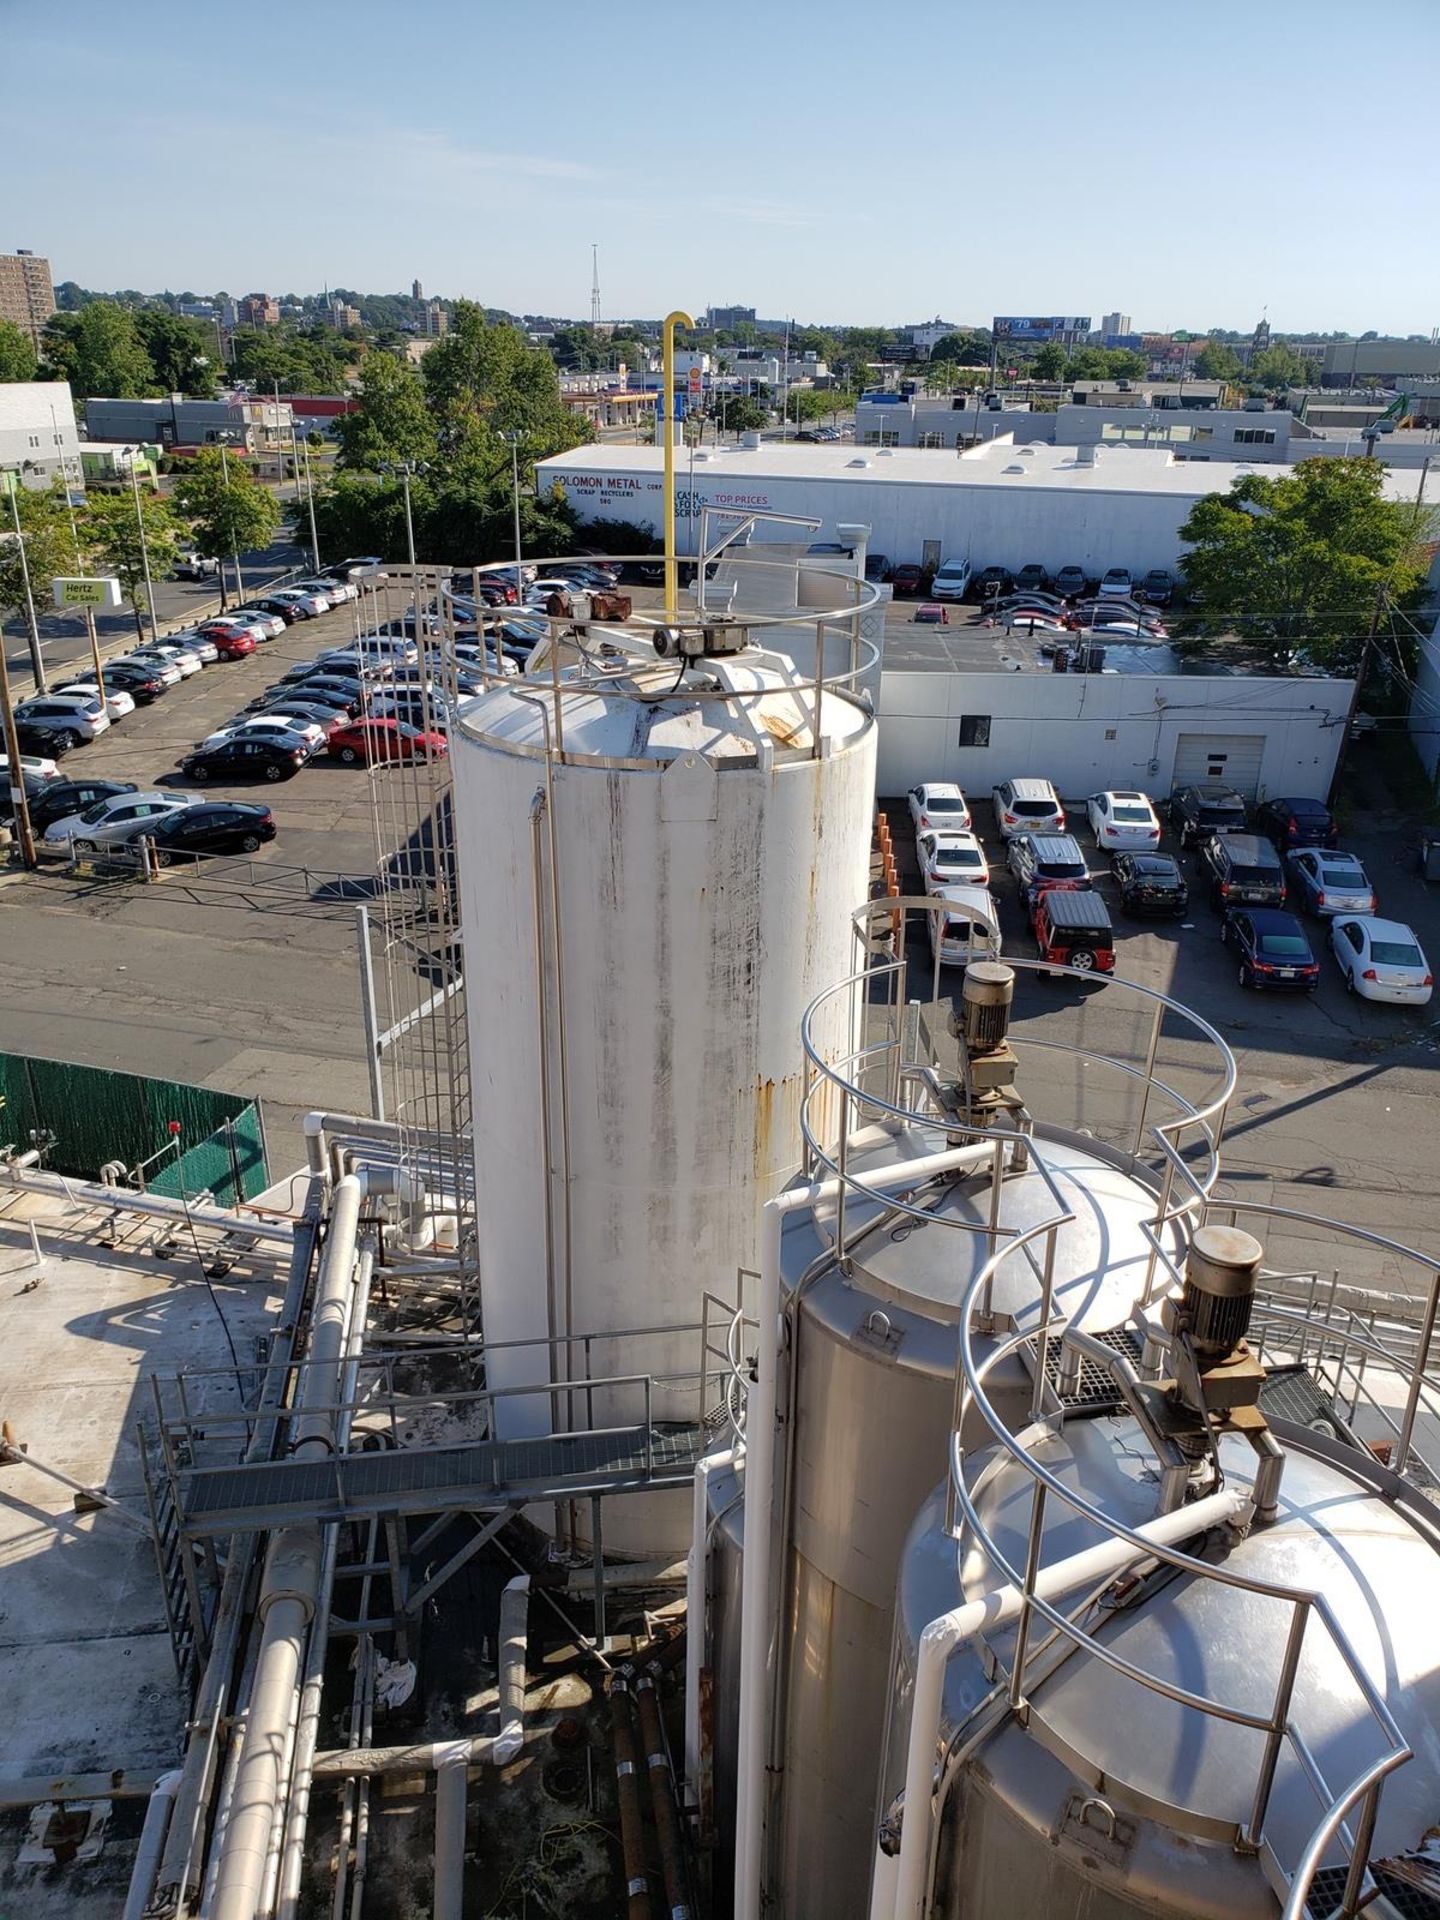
(658,870)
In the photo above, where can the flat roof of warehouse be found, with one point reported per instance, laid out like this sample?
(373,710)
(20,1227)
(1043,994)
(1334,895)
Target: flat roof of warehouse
(996,464)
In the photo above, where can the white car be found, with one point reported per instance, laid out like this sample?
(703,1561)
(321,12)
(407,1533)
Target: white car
(165,671)
(283,728)
(1027,806)
(82,714)
(1381,960)
(117,702)
(964,925)
(1123,822)
(307,605)
(951,859)
(335,591)
(1117,584)
(939,804)
(35,764)
(109,823)
(184,658)
(269,626)
(952,580)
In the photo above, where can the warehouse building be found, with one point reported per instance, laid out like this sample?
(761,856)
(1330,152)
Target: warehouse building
(999,504)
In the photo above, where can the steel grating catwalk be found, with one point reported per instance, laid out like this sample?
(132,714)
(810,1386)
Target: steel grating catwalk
(485,1474)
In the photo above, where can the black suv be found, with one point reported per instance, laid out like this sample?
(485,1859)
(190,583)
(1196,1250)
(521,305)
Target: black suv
(1243,870)
(1150,883)
(1197,812)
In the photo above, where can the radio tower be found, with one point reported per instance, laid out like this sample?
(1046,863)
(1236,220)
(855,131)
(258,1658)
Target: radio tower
(594,284)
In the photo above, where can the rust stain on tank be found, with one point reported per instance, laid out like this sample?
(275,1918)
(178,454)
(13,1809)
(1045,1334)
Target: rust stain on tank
(764,1125)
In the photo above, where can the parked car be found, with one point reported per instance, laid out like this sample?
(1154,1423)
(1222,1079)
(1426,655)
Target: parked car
(112,821)
(1327,882)
(193,641)
(212,827)
(239,759)
(1116,583)
(385,739)
(270,624)
(1243,870)
(214,631)
(1297,823)
(1072,929)
(320,713)
(964,925)
(333,689)
(1123,821)
(1027,806)
(143,684)
(1070,582)
(1271,949)
(1158,587)
(232,643)
(119,703)
(186,662)
(1150,883)
(80,715)
(296,604)
(60,798)
(194,566)
(990,583)
(284,729)
(1040,861)
(877,567)
(48,743)
(940,804)
(34,788)
(34,766)
(353,568)
(1381,960)
(152,666)
(336,591)
(1032,578)
(951,859)
(1197,812)
(952,580)
(908,580)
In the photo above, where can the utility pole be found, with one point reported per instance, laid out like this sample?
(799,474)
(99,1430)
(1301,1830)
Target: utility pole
(79,563)
(309,497)
(14,771)
(37,664)
(1362,674)
(144,550)
(234,555)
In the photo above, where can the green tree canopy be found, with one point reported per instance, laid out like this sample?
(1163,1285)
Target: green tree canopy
(229,510)
(313,360)
(1051,362)
(965,349)
(99,351)
(111,532)
(1278,367)
(1107,363)
(738,413)
(17,354)
(182,353)
(49,548)
(1306,557)
(484,379)
(1216,361)
(393,423)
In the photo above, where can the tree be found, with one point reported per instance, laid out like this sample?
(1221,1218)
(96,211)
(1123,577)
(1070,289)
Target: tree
(808,403)
(965,349)
(17,355)
(1051,362)
(111,532)
(482,380)
(230,512)
(1216,361)
(49,547)
(99,351)
(181,352)
(1279,367)
(393,423)
(1307,557)
(741,414)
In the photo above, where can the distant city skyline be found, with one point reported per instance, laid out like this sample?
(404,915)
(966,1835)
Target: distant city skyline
(760,158)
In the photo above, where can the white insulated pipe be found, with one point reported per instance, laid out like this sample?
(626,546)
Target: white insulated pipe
(898,1891)
(450,1790)
(291,1581)
(697,1586)
(760,1416)
(122,1200)
(152,1845)
(514,1639)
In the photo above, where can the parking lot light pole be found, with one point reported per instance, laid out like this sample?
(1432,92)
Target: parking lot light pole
(37,664)
(512,440)
(144,550)
(14,772)
(309,494)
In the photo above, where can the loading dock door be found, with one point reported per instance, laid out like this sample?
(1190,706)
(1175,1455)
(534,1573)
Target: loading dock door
(1234,758)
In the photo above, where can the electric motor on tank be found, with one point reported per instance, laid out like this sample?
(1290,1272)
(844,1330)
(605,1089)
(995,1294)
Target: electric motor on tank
(1218,1296)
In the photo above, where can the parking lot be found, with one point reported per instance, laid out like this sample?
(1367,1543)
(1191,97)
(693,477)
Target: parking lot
(254,989)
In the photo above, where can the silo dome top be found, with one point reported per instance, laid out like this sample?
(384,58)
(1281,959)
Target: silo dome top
(727,710)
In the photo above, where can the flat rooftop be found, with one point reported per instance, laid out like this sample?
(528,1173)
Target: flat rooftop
(998,463)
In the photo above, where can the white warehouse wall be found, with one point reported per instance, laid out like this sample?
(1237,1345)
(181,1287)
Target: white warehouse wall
(1087,732)
(1425,700)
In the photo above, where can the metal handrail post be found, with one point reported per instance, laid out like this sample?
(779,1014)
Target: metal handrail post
(1275,1738)
(1422,1361)
(1360,1853)
(1027,1594)
(1150,1054)
(1042,1338)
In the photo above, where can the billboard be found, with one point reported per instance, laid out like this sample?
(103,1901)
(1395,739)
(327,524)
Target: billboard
(1026,327)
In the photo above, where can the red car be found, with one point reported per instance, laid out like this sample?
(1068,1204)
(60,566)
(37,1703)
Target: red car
(908,581)
(230,642)
(385,739)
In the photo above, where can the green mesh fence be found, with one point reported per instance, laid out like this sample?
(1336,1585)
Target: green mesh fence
(96,1116)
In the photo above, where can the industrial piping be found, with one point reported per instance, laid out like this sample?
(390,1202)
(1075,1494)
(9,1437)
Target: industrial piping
(152,1845)
(760,1418)
(697,1587)
(898,1892)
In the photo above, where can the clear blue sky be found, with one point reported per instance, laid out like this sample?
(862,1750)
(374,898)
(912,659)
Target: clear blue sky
(1190,166)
